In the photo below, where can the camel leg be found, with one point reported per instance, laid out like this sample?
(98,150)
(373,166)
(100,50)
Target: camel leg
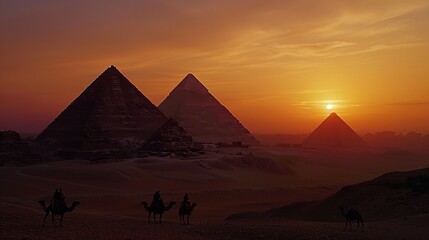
(187,216)
(61,220)
(160,217)
(345,227)
(180,219)
(148,218)
(53,221)
(44,219)
(154,217)
(361,223)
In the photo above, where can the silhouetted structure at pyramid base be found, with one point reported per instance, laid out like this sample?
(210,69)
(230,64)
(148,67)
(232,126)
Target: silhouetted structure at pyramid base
(14,149)
(171,138)
(93,149)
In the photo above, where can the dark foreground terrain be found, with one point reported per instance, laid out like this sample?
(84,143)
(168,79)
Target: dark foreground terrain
(81,226)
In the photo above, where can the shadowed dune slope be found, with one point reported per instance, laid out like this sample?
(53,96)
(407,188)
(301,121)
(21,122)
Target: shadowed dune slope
(395,194)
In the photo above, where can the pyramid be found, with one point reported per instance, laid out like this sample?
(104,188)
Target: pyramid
(333,132)
(202,115)
(106,118)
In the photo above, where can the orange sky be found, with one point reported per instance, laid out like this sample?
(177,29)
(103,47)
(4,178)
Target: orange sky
(274,64)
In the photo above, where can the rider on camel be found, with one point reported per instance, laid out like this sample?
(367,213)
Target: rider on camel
(186,200)
(157,196)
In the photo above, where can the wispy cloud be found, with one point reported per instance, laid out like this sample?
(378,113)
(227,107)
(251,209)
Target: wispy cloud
(246,51)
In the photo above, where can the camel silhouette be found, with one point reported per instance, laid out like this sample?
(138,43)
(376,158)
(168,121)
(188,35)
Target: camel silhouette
(157,207)
(350,216)
(59,211)
(185,210)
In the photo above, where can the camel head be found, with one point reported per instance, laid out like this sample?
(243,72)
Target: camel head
(145,205)
(170,205)
(192,207)
(74,204)
(43,204)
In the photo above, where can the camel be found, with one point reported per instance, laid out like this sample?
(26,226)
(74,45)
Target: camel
(57,211)
(185,210)
(157,207)
(350,216)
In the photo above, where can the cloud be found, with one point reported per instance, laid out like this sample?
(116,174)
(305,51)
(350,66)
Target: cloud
(409,103)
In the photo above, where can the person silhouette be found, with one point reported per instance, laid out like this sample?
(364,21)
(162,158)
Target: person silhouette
(57,201)
(54,196)
(157,196)
(61,198)
(186,200)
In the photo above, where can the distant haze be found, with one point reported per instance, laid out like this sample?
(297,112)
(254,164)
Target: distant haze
(274,64)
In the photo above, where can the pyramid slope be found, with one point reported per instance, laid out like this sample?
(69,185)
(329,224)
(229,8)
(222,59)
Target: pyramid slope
(110,110)
(202,115)
(333,132)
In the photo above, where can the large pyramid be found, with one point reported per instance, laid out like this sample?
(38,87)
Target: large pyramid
(333,132)
(109,116)
(202,115)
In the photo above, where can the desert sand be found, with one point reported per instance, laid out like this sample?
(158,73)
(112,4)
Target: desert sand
(222,184)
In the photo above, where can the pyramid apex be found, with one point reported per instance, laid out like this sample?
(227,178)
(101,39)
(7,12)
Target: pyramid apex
(112,70)
(190,75)
(192,84)
(112,67)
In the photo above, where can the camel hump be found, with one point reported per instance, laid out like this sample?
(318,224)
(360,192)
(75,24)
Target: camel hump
(158,203)
(58,205)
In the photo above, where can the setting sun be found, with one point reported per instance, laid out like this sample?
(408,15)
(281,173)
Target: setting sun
(329,106)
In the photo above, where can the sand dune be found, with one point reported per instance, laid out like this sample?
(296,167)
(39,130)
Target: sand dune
(397,194)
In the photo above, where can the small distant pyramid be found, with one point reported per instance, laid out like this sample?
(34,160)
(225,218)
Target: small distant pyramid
(202,115)
(172,138)
(111,112)
(333,132)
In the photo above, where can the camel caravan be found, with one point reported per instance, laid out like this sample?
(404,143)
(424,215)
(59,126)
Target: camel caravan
(58,207)
(157,207)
